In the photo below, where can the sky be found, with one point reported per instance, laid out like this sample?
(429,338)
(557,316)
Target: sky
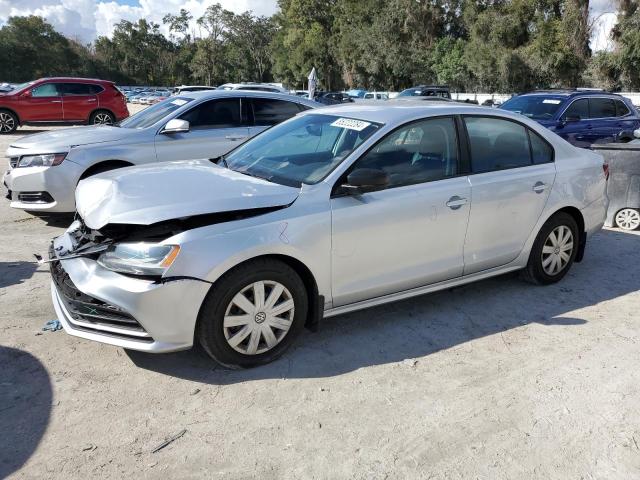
(87,19)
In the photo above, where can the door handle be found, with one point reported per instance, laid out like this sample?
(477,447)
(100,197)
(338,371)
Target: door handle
(539,187)
(231,137)
(91,100)
(56,101)
(455,202)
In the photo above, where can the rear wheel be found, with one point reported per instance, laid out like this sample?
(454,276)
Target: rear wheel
(553,251)
(628,219)
(102,117)
(8,122)
(252,314)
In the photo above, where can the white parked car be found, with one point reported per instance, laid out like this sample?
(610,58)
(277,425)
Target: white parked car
(46,167)
(260,87)
(335,210)
(376,96)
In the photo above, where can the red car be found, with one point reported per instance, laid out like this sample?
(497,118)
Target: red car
(62,101)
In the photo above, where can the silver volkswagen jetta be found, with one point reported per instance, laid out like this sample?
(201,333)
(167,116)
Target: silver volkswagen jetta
(335,210)
(46,167)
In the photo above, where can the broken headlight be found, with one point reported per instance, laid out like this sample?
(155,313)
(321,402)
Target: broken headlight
(147,259)
(47,160)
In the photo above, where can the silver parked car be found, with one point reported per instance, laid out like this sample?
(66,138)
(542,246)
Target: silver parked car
(335,210)
(45,168)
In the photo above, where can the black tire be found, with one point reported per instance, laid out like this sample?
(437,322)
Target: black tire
(210,331)
(102,117)
(8,122)
(535,272)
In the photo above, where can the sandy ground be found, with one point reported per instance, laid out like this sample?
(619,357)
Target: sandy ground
(496,380)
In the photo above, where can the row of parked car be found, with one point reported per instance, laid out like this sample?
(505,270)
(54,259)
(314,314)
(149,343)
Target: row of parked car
(234,218)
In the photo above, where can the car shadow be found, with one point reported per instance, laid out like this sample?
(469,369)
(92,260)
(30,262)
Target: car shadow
(14,273)
(424,325)
(25,407)
(59,220)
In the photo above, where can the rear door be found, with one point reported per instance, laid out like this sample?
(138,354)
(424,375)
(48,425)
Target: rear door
(216,126)
(512,175)
(267,112)
(79,100)
(44,104)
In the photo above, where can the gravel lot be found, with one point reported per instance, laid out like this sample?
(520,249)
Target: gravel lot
(496,380)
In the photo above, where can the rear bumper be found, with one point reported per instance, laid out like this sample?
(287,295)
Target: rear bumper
(594,215)
(166,312)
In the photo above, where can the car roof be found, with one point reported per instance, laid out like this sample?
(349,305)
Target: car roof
(568,93)
(397,113)
(210,94)
(72,79)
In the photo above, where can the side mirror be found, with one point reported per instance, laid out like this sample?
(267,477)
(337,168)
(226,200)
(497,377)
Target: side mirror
(572,118)
(176,126)
(26,93)
(363,180)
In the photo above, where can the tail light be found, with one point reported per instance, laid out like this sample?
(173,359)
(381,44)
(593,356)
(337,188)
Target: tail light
(605,169)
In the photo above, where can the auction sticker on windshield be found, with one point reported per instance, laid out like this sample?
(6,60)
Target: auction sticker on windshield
(350,124)
(550,100)
(179,102)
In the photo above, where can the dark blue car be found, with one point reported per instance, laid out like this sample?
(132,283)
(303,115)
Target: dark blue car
(582,117)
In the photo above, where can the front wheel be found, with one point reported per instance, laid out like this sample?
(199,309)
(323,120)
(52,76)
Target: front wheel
(102,117)
(553,251)
(252,314)
(628,219)
(8,122)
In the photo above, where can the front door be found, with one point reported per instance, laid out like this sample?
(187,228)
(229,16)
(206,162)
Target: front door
(410,233)
(575,124)
(512,175)
(216,126)
(44,104)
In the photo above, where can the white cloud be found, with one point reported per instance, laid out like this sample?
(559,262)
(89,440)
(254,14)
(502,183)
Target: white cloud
(87,19)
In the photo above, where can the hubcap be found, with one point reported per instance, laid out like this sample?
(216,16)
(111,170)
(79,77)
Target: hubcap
(7,123)
(628,219)
(557,250)
(103,119)
(258,317)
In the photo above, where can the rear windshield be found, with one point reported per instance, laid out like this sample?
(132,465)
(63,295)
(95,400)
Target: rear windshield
(537,107)
(154,113)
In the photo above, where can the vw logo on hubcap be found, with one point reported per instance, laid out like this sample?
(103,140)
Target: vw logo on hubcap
(260,317)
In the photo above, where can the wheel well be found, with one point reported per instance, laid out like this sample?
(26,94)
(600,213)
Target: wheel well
(316,301)
(101,110)
(104,166)
(11,111)
(577,216)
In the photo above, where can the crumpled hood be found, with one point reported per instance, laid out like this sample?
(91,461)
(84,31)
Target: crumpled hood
(153,193)
(57,141)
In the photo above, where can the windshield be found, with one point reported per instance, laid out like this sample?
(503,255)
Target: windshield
(421,92)
(149,116)
(536,107)
(302,150)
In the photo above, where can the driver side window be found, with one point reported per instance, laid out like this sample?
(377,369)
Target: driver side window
(578,109)
(46,90)
(422,151)
(214,114)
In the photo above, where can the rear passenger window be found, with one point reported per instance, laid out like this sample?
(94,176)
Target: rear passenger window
(271,112)
(541,151)
(497,144)
(81,89)
(621,109)
(423,151)
(578,109)
(602,108)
